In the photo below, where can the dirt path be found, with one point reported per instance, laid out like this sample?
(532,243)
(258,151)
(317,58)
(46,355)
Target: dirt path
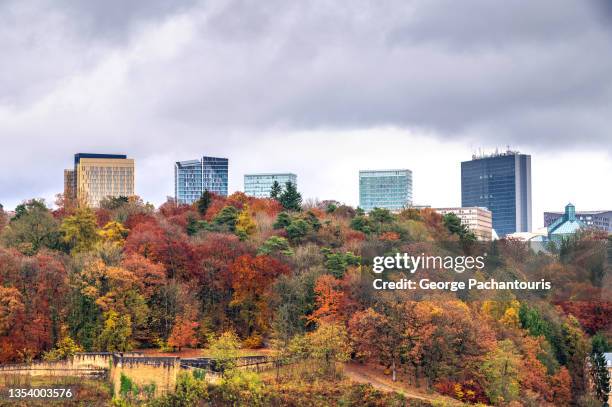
(364,374)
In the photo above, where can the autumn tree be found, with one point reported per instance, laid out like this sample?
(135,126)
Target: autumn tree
(64,349)
(329,344)
(329,299)
(245,225)
(116,289)
(32,228)
(500,370)
(12,313)
(224,350)
(79,231)
(252,278)
(183,333)
(293,300)
(375,336)
(149,275)
(114,232)
(115,336)
(575,352)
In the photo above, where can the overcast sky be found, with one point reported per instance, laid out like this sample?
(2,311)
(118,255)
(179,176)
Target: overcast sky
(319,88)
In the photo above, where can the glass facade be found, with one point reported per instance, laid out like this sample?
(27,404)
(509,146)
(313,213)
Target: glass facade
(502,184)
(388,189)
(193,177)
(98,176)
(259,185)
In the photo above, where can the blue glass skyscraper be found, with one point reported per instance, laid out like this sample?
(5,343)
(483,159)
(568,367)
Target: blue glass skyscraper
(500,182)
(193,177)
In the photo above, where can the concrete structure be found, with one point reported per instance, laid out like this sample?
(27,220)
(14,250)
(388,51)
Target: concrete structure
(193,177)
(388,189)
(500,182)
(601,220)
(98,176)
(478,220)
(259,185)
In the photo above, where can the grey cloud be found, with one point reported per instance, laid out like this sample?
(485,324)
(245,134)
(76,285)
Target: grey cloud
(535,74)
(429,64)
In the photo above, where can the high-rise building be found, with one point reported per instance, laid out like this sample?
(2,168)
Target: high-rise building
(98,176)
(478,220)
(259,185)
(69,185)
(597,219)
(193,177)
(387,189)
(500,182)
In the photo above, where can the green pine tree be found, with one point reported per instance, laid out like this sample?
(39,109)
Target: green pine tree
(276,190)
(290,198)
(204,202)
(601,376)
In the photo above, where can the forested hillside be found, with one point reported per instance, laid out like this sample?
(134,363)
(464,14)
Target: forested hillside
(296,278)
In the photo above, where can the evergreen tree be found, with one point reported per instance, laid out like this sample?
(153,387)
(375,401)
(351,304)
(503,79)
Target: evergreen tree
(290,198)
(453,223)
(276,190)
(599,346)
(227,218)
(600,376)
(297,230)
(282,221)
(204,202)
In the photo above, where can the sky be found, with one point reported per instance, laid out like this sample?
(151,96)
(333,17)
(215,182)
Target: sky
(318,88)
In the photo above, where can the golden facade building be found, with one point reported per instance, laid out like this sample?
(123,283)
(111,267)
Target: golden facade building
(69,185)
(478,220)
(98,176)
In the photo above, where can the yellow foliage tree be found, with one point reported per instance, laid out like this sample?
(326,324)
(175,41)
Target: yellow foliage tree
(114,232)
(245,225)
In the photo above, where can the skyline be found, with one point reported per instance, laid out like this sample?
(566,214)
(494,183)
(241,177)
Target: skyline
(319,89)
(426,165)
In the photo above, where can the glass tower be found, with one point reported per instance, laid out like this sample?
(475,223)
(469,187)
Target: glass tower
(388,189)
(259,185)
(193,177)
(500,182)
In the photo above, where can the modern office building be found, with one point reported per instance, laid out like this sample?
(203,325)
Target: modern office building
(601,220)
(388,189)
(69,185)
(98,176)
(259,185)
(478,220)
(193,177)
(500,182)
